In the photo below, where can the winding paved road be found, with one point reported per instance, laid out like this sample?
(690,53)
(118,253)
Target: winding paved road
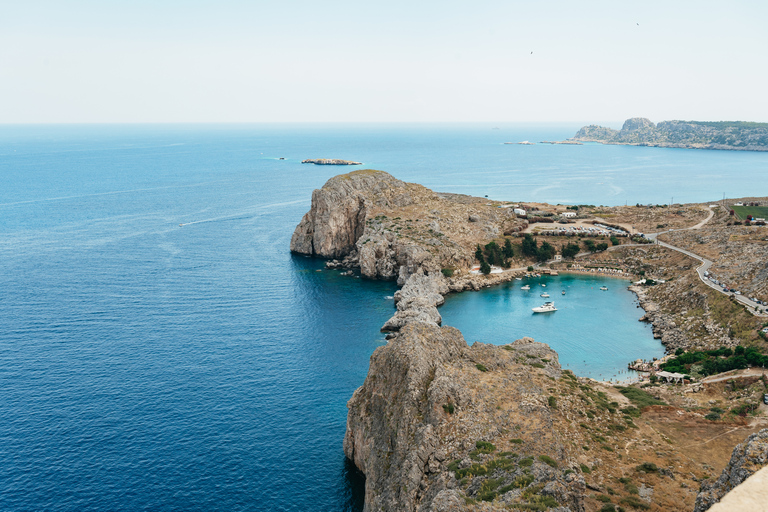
(752,306)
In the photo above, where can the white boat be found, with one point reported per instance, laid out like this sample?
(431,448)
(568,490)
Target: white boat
(545,295)
(604,288)
(518,279)
(526,287)
(542,284)
(563,292)
(547,307)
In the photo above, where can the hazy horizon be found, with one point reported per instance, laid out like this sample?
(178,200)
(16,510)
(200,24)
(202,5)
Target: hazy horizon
(82,61)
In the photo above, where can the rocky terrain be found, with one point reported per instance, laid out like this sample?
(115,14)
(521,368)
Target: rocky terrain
(389,228)
(747,458)
(735,135)
(439,425)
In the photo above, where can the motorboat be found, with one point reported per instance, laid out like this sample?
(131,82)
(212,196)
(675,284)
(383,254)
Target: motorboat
(604,288)
(518,279)
(526,287)
(547,307)
(545,295)
(563,292)
(544,285)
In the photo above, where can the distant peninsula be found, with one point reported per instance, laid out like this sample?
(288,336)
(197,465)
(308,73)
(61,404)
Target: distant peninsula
(639,131)
(329,161)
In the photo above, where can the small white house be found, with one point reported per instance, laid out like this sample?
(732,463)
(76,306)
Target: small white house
(569,214)
(519,211)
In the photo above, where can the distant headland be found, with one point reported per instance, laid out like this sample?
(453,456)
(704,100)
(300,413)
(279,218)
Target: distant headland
(329,161)
(639,131)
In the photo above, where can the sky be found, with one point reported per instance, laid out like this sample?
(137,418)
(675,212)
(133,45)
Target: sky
(138,61)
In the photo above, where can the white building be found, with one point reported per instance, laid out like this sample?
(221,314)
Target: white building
(519,211)
(569,214)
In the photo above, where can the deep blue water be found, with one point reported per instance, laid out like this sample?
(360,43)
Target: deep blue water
(148,366)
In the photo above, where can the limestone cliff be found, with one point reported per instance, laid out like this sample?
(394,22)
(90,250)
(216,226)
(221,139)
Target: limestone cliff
(747,458)
(390,229)
(436,422)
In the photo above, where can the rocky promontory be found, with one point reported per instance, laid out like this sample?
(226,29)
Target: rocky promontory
(733,135)
(438,425)
(390,229)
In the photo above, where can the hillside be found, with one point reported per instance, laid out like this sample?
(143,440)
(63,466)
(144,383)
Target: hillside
(733,135)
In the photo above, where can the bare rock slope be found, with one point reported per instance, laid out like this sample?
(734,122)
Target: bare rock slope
(438,425)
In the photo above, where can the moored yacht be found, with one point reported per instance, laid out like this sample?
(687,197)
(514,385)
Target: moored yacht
(526,287)
(547,307)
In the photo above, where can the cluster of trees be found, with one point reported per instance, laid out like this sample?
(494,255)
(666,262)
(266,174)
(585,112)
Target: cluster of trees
(593,247)
(493,254)
(716,361)
(542,252)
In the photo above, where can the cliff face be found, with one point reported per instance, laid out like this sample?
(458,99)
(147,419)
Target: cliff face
(337,217)
(747,458)
(431,425)
(390,229)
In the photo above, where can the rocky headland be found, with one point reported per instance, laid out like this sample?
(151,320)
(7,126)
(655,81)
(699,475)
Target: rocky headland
(439,425)
(736,135)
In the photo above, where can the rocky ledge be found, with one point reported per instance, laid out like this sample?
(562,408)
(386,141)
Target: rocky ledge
(747,458)
(438,425)
(329,161)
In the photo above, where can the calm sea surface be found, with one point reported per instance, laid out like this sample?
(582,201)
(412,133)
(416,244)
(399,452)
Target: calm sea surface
(148,366)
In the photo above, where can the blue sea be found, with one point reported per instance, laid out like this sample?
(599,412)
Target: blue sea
(146,365)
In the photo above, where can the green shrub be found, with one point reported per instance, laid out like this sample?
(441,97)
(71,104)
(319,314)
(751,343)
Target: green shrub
(639,397)
(526,462)
(713,416)
(449,408)
(447,272)
(647,467)
(516,441)
(603,498)
(607,508)
(485,447)
(548,460)
(585,469)
(631,411)
(552,401)
(481,367)
(522,481)
(538,365)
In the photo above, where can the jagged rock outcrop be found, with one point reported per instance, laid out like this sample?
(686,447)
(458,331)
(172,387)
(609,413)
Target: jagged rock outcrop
(418,299)
(337,217)
(390,229)
(747,458)
(423,414)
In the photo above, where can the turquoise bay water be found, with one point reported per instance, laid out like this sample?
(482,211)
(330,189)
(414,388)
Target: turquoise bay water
(595,333)
(148,366)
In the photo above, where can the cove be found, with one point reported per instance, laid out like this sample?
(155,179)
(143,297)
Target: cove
(596,333)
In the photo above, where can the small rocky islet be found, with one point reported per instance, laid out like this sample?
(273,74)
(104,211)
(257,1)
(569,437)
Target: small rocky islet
(439,425)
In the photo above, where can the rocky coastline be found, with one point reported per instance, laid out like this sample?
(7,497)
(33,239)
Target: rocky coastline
(638,131)
(442,426)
